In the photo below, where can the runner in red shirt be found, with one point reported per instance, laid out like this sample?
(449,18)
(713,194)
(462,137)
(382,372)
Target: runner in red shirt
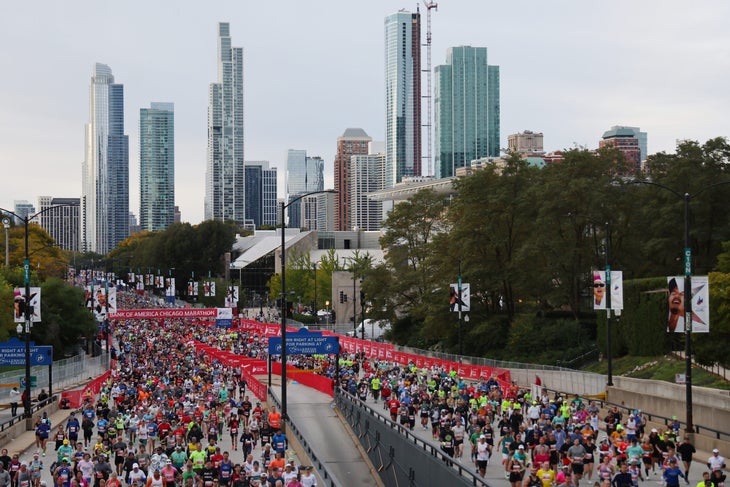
(393,406)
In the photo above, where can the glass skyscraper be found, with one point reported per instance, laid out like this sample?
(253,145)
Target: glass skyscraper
(303,175)
(466,109)
(157,166)
(402,96)
(105,171)
(225,174)
(261,206)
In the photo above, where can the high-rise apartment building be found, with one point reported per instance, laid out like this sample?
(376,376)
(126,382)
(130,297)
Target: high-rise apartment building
(157,167)
(225,173)
(261,208)
(61,219)
(627,141)
(353,142)
(366,177)
(526,142)
(105,171)
(402,96)
(466,109)
(303,175)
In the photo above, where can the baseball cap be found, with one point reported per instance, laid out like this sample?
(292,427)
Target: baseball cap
(715,451)
(135,465)
(653,430)
(521,447)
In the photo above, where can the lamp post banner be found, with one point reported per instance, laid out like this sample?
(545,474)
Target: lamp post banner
(599,290)
(19,304)
(700,304)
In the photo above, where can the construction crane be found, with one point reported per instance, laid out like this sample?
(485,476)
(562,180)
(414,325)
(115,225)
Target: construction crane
(430,5)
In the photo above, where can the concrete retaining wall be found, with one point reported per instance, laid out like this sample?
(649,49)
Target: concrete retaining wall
(581,383)
(710,408)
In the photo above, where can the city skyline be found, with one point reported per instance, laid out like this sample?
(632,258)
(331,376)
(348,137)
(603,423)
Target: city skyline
(563,73)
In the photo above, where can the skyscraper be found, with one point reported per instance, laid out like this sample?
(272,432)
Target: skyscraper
(61,223)
(402,96)
(157,167)
(105,170)
(354,141)
(261,206)
(466,109)
(225,174)
(303,175)
(366,177)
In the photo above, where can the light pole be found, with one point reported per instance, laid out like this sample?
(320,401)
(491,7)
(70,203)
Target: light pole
(26,280)
(608,305)
(316,320)
(686,197)
(6,224)
(283,208)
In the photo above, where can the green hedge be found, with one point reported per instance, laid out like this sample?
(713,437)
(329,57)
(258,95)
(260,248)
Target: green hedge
(641,328)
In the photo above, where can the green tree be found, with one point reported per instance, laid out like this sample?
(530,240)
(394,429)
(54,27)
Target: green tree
(66,322)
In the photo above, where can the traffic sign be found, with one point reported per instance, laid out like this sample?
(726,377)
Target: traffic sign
(33,381)
(305,342)
(12,353)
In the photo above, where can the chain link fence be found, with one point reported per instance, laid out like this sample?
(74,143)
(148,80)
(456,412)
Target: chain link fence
(65,372)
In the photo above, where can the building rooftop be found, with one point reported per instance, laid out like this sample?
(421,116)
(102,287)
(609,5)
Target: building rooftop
(355,133)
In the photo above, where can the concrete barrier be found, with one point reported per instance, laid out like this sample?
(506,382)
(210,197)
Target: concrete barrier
(572,382)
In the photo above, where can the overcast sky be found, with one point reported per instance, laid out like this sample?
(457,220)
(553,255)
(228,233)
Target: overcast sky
(569,68)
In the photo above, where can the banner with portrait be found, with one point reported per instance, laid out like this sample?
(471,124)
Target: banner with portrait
(231,299)
(193,288)
(700,304)
(456,299)
(209,288)
(101,299)
(599,290)
(19,304)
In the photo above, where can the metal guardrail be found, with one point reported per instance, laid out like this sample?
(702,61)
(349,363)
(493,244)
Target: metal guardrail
(465,472)
(720,435)
(34,408)
(328,478)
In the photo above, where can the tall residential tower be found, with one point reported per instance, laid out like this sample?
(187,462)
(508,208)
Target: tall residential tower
(225,174)
(353,142)
(466,109)
(402,96)
(105,170)
(304,174)
(156,167)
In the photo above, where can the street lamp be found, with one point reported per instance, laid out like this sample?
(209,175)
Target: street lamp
(6,224)
(316,318)
(283,296)
(26,280)
(686,197)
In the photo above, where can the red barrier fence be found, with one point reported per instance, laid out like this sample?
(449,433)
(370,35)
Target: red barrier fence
(305,377)
(76,397)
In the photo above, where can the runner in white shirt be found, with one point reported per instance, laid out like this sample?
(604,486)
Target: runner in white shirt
(716,461)
(482,455)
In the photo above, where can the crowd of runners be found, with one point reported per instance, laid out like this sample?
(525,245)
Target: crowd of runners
(171,416)
(539,441)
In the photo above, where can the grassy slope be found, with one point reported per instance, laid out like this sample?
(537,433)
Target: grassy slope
(659,368)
